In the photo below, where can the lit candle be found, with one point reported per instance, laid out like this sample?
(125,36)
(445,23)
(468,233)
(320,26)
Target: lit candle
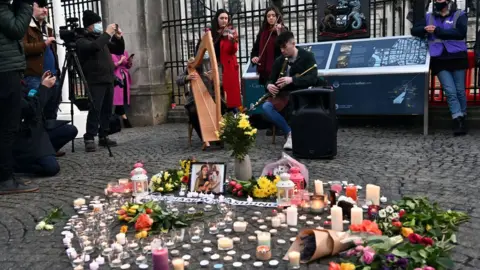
(264,239)
(276,222)
(337,218)
(292,216)
(225,243)
(373,194)
(120,238)
(294,257)
(178,264)
(79,202)
(318,187)
(351,192)
(356,215)
(318,204)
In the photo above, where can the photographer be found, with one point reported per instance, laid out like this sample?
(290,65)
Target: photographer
(94,51)
(14,20)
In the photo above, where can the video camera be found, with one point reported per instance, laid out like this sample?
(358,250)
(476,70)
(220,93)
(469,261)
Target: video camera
(69,32)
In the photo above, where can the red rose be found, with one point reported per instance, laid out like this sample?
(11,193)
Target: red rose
(240,193)
(144,222)
(148,211)
(402,213)
(414,238)
(232,183)
(185,179)
(238,186)
(397,224)
(427,241)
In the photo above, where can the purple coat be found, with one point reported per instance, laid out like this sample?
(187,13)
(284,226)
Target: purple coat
(120,70)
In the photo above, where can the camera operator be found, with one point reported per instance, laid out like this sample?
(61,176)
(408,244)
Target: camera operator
(14,20)
(94,48)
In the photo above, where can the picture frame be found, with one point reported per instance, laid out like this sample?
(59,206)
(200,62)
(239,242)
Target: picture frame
(207,177)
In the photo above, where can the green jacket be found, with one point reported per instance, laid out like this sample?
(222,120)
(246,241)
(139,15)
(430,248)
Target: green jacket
(14,21)
(304,61)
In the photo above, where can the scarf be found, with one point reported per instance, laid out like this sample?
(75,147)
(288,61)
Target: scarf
(268,56)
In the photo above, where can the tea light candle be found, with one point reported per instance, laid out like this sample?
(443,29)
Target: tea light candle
(170,243)
(120,238)
(186,246)
(240,226)
(318,187)
(94,266)
(276,222)
(303,218)
(337,218)
(227,258)
(79,202)
(186,257)
(252,238)
(318,204)
(264,239)
(263,253)
(207,249)
(317,218)
(213,230)
(273,231)
(207,242)
(208,208)
(141,259)
(245,257)
(232,253)
(310,222)
(215,257)
(133,246)
(236,239)
(225,243)
(260,221)
(292,216)
(178,264)
(125,266)
(373,194)
(294,257)
(263,227)
(100,260)
(356,214)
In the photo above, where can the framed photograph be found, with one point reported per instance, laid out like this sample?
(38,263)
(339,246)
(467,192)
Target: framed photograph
(207,177)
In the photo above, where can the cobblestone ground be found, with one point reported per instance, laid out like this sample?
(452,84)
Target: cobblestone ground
(402,162)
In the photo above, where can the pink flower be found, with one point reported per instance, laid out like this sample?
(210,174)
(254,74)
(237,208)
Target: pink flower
(418,268)
(428,268)
(358,242)
(368,255)
(351,252)
(359,248)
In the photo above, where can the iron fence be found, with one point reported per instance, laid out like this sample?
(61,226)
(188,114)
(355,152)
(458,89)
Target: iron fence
(186,19)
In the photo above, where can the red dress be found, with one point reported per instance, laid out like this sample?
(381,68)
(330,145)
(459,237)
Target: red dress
(231,75)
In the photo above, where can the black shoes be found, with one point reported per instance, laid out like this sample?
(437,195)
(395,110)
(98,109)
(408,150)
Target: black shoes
(13,186)
(459,127)
(126,123)
(90,145)
(106,141)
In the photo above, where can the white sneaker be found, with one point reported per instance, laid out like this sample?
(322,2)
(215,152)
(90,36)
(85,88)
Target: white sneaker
(288,144)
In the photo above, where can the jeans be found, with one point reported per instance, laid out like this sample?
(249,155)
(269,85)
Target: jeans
(10,114)
(102,95)
(44,166)
(60,136)
(453,83)
(51,108)
(275,117)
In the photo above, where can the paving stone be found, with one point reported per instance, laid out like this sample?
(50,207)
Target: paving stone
(402,162)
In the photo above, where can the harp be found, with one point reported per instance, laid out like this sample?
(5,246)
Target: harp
(208,110)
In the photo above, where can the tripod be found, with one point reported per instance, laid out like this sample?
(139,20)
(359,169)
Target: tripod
(72,65)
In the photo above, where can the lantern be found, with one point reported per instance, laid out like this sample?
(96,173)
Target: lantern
(140,185)
(285,188)
(297,178)
(138,168)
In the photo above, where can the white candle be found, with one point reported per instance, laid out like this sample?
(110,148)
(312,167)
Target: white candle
(294,257)
(94,266)
(373,194)
(79,202)
(178,264)
(240,226)
(318,187)
(225,243)
(100,260)
(356,215)
(292,216)
(264,239)
(120,238)
(276,222)
(282,217)
(337,218)
(123,181)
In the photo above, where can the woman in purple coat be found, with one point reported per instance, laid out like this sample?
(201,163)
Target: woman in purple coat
(121,95)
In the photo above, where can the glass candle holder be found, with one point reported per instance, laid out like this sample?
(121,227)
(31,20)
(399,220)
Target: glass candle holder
(196,232)
(294,258)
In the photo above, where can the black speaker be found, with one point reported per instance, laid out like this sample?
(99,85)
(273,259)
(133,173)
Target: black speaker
(314,123)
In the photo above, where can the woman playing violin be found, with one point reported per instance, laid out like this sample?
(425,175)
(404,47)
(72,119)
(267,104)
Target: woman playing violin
(226,46)
(265,51)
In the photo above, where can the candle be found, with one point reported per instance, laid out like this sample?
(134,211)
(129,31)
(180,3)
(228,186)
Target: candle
(123,182)
(276,222)
(264,239)
(373,194)
(240,226)
(292,216)
(100,260)
(282,217)
(294,257)
(351,192)
(120,238)
(141,259)
(79,202)
(337,218)
(318,204)
(318,187)
(160,259)
(94,266)
(356,214)
(264,253)
(225,243)
(178,264)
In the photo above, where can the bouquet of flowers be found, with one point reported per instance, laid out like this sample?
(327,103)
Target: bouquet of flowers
(167,181)
(266,186)
(236,131)
(186,168)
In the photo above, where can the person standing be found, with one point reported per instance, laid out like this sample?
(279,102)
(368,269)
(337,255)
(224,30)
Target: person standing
(94,48)
(14,20)
(446,30)
(121,95)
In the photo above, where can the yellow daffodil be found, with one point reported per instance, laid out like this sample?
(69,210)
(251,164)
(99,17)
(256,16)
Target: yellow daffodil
(347,266)
(406,231)
(142,234)
(124,229)
(166,175)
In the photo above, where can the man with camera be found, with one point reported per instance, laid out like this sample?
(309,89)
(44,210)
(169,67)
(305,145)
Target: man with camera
(94,48)
(14,20)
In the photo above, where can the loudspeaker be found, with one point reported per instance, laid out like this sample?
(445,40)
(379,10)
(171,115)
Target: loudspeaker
(314,123)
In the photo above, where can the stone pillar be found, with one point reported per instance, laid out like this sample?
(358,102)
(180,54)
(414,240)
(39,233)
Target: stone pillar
(141,23)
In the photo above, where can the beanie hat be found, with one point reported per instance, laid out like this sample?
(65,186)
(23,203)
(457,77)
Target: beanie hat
(90,17)
(41,3)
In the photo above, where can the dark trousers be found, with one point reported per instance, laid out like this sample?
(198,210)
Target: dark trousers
(44,166)
(120,110)
(102,95)
(10,100)
(60,136)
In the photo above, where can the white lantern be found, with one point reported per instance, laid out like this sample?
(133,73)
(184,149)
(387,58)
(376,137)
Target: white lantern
(285,190)
(140,185)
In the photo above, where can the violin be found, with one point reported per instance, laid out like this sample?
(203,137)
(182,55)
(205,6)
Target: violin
(230,30)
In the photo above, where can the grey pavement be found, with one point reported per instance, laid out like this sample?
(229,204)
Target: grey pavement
(402,162)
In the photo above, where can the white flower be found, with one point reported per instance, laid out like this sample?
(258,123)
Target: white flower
(40,226)
(48,227)
(382,213)
(395,215)
(389,209)
(395,207)
(390,218)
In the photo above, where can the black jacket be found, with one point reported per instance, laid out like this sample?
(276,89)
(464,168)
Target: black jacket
(32,141)
(94,52)
(14,21)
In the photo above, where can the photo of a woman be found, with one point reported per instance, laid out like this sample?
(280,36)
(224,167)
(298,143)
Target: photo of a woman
(207,178)
(201,182)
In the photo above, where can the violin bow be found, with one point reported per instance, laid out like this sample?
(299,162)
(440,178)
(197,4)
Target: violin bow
(229,21)
(268,39)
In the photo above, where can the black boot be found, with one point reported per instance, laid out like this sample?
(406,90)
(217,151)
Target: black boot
(459,126)
(103,141)
(126,123)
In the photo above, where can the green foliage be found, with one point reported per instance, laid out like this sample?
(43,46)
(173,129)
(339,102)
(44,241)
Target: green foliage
(237,133)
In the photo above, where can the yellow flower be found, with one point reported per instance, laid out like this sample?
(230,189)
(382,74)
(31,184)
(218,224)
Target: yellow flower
(217,133)
(347,266)
(160,189)
(168,187)
(428,227)
(166,175)
(243,124)
(263,182)
(142,234)
(254,131)
(406,231)
(124,229)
